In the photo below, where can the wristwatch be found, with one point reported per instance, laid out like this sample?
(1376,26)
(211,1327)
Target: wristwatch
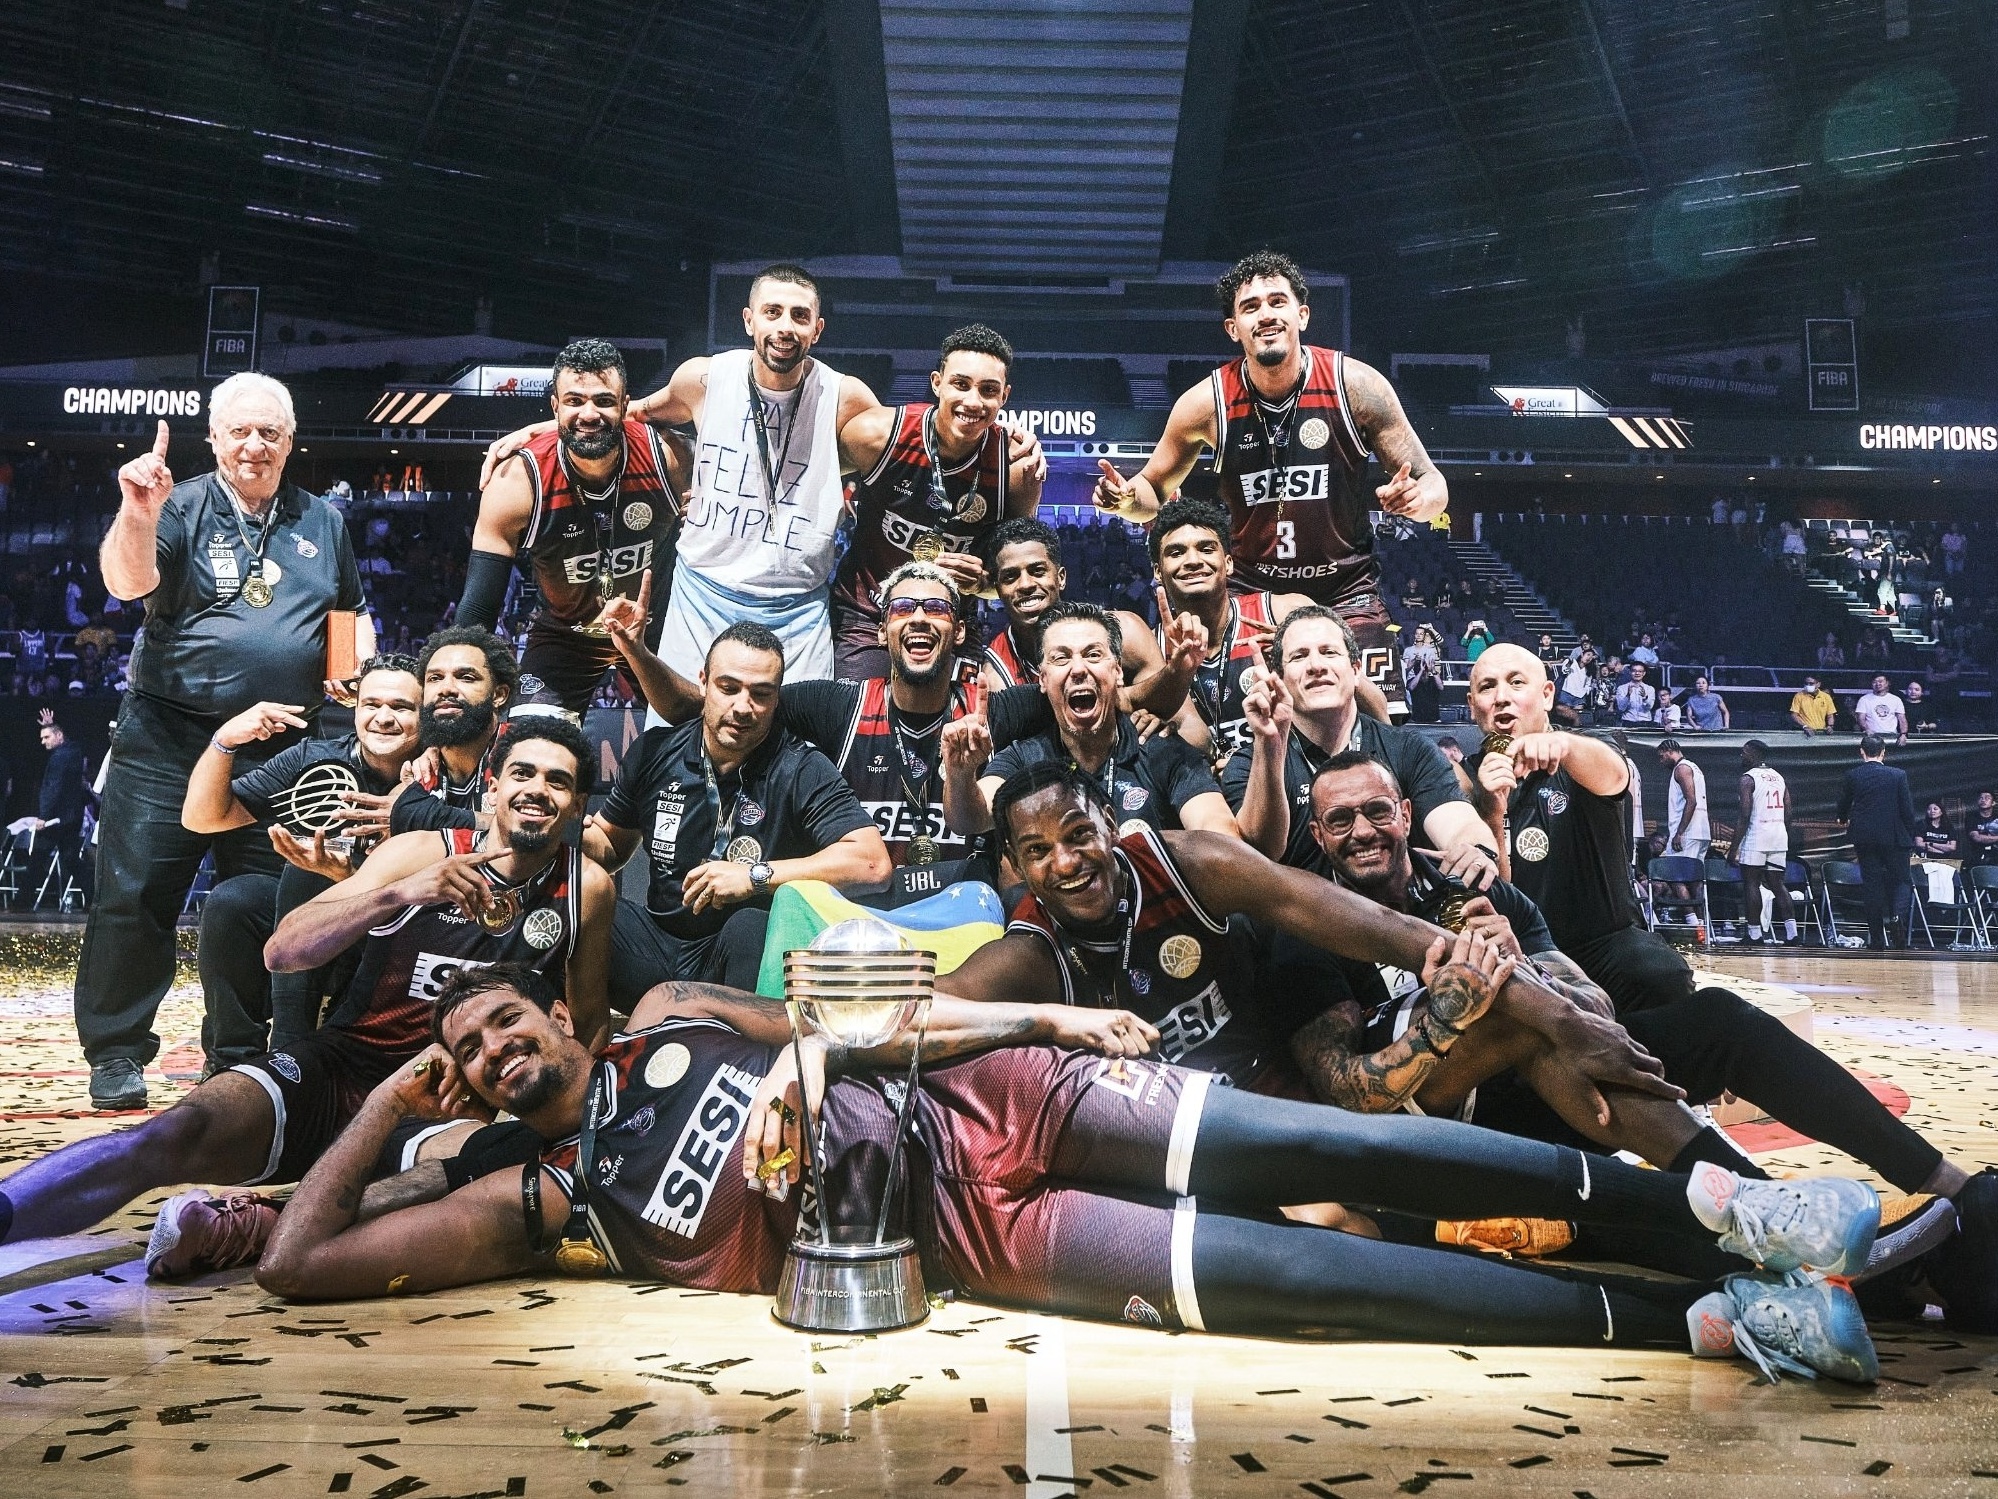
(759,878)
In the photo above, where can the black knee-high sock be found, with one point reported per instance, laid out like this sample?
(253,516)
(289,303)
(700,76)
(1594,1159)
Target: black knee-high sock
(1710,1145)
(1271,1152)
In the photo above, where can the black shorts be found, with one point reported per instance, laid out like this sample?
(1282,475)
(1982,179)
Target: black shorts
(561,666)
(489,1148)
(317,1083)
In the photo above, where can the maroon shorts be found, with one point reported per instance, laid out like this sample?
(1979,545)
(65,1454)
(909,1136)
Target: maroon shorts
(1057,1177)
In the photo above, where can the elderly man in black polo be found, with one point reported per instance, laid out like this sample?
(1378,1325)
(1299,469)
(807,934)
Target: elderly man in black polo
(239,571)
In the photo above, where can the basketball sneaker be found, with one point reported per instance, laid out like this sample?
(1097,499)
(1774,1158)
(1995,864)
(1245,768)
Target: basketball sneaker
(1909,1228)
(197,1232)
(1527,1237)
(1824,1223)
(1802,1324)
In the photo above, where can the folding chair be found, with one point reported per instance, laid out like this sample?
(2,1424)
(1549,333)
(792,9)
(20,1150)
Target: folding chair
(1956,910)
(1836,875)
(1804,898)
(1980,893)
(1728,876)
(1676,869)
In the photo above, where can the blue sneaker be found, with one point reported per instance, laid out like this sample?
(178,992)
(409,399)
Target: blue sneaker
(1823,1223)
(1803,1324)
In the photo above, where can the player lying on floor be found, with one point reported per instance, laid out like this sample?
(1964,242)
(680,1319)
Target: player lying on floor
(1057,1180)
(424,905)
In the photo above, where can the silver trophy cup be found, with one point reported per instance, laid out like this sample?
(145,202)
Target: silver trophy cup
(859,985)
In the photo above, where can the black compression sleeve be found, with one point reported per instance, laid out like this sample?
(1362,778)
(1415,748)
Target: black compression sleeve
(486,577)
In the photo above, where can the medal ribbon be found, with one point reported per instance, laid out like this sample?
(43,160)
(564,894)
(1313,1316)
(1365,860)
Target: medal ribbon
(724,831)
(606,525)
(256,552)
(1128,916)
(772,476)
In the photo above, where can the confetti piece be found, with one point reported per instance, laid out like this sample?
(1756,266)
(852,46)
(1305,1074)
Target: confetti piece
(1828,1441)
(264,1472)
(1343,1421)
(91,1457)
(1639,1452)
(54,1454)
(341,1483)
(1060,1431)
(1876,1468)
(1530,1462)
(978,1405)
(1015,1472)
(1246,1461)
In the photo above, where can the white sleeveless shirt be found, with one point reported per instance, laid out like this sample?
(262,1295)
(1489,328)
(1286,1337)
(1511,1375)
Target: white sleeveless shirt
(1766,830)
(1699,827)
(736,534)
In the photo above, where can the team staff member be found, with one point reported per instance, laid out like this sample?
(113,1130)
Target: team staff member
(238,570)
(240,914)
(936,481)
(469,676)
(423,907)
(1293,429)
(1155,782)
(591,508)
(728,808)
(1878,810)
(1562,803)
(1306,711)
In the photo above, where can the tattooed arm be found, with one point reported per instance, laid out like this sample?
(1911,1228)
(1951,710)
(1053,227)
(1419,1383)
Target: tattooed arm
(1461,983)
(1416,488)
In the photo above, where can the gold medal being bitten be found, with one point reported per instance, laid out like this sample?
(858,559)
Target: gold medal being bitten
(745,851)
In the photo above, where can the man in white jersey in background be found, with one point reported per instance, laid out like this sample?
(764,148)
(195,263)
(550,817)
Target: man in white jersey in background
(1763,849)
(1688,833)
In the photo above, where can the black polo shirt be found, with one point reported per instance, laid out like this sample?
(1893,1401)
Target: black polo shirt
(1147,782)
(820,713)
(261,791)
(1571,856)
(205,650)
(1423,771)
(786,797)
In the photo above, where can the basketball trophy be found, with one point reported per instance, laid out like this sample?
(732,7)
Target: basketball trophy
(858,985)
(316,803)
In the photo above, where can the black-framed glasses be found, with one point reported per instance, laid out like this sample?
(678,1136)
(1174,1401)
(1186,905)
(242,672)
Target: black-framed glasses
(1380,812)
(933,608)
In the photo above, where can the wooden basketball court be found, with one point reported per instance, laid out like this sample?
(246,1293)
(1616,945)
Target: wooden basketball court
(551,1387)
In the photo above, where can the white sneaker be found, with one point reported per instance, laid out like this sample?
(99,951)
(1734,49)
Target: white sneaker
(1803,1324)
(1824,1223)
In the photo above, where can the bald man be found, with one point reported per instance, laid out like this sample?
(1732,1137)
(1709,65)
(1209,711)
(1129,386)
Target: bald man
(1560,805)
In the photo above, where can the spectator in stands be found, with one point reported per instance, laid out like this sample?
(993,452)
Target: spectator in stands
(1452,750)
(1881,712)
(1813,709)
(1792,548)
(1644,653)
(1670,716)
(1955,549)
(1879,813)
(1477,635)
(1721,510)
(1636,700)
(1831,655)
(1981,844)
(1935,838)
(1575,678)
(1412,596)
(1921,709)
(1706,710)
(1549,652)
(1421,675)
(97,634)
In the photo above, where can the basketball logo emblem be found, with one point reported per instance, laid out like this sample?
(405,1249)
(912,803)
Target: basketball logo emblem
(1531,844)
(745,851)
(1313,433)
(637,516)
(971,509)
(667,1065)
(1131,825)
(543,929)
(1180,956)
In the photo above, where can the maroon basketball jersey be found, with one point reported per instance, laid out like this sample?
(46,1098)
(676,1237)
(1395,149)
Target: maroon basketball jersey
(1296,483)
(896,775)
(1004,657)
(408,960)
(571,540)
(1216,688)
(896,504)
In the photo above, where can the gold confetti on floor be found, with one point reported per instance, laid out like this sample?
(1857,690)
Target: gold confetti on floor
(111,1387)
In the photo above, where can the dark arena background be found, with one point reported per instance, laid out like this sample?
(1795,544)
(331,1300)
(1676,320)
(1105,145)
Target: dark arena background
(1685,311)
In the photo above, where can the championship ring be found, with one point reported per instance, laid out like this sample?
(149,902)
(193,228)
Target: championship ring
(922,849)
(1531,844)
(543,929)
(503,911)
(1313,433)
(637,516)
(257,593)
(1180,956)
(745,851)
(929,546)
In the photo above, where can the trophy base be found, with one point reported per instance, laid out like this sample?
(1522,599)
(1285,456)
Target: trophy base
(851,1287)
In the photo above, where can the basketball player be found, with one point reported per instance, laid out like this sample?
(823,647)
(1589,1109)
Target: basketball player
(469,676)
(423,906)
(1763,849)
(935,482)
(591,507)
(1293,429)
(1688,830)
(1056,1180)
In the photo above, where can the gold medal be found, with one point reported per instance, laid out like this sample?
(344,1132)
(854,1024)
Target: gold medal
(1448,912)
(1180,956)
(922,849)
(745,850)
(1496,743)
(257,593)
(929,546)
(580,1257)
(501,914)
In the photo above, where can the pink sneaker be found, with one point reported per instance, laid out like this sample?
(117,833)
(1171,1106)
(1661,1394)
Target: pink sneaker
(198,1231)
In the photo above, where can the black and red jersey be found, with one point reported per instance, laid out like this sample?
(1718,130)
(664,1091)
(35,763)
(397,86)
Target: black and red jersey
(405,962)
(1296,483)
(1216,688)
(570,540)
(895,504)
(1164,957)
(1012,668)
(892,766)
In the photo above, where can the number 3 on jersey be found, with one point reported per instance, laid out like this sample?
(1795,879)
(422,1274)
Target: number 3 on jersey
(1286,540)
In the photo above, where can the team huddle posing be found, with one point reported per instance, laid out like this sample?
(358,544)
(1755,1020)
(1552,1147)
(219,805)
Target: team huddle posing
(1291,1015)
